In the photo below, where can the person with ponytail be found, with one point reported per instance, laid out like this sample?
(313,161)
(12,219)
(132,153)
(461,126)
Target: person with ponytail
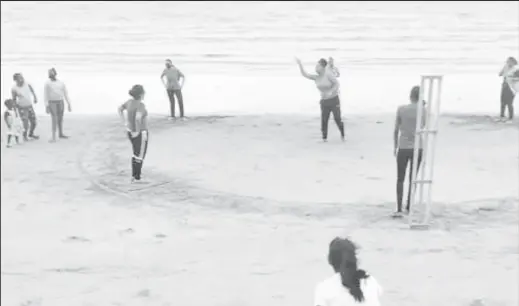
(136,123)
(349,285)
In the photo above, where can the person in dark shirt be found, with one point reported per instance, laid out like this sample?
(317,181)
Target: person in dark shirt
(136,123)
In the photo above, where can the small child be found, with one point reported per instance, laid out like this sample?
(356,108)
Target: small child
(12,121)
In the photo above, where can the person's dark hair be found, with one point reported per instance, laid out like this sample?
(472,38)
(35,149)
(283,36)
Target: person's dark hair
(323,62)
(512,59)
(16,76)
(8,102)
(136,92)
(415,93)
(342,257)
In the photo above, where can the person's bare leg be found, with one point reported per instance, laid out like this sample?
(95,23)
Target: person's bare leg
(54,120)
(61,113)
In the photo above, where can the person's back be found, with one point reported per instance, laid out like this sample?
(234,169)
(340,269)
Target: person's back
(407,117)
(172,75)
(331,292)
(136,116)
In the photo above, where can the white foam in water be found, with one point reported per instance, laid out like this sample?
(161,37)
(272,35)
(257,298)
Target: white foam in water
(234,66)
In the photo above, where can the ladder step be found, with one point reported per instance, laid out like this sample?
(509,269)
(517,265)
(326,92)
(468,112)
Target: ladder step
(422,182)
(427,132)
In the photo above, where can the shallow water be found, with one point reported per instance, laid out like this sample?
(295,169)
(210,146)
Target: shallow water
(102,48)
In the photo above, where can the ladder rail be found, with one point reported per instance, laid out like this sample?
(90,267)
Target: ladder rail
(418,185)
(436,124)
(415,150)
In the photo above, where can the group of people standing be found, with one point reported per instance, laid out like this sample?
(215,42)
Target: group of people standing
(19,116)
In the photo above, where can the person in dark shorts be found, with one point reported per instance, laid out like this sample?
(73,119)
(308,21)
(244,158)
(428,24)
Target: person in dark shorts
(404,144)
(55,93)
(136,123)
(24,96)
(507,92)
(328,86)
(174,82)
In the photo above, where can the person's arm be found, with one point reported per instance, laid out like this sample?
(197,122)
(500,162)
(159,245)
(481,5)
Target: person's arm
(46,91)
(8,120)
(162,77)
(396,131)
(303,71)
(181,78)
(120,111)
(336,72)
(335,83)
(14,95)
(33,94)
(65,94)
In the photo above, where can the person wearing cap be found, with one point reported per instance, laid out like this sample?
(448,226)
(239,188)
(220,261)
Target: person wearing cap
(174,81)
(136,123)
(24,96)
(404,144)
(55,95)
(349,285)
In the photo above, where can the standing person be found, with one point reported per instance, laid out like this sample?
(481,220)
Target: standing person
(24,96)
(55,92)
(136,123)
(12,122)
(349,285)
(328,86)
(404,142)
(174,82)
(507,92)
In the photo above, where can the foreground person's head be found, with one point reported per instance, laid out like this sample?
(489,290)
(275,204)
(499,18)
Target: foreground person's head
(321,66)
(342,257)
(414,96)
(137,92)
(511,61)
(18,78)
(169,64)
(53,74)
(9,104)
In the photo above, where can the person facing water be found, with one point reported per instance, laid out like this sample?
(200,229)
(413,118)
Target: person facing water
(349,285)
(136,123)
(507,88)
(24,96)
(328,86)
(55,95)
(174,82)
(13,122)
(404,144)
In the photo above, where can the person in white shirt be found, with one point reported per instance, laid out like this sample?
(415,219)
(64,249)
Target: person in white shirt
(55,93)
(349,286)
(507,92)
(24,96)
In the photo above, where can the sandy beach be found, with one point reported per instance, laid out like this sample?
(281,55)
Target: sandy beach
(240,211)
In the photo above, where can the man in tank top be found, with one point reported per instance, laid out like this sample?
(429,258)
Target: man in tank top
(24,96)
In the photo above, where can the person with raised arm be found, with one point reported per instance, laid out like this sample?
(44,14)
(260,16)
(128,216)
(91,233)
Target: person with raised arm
(328,87)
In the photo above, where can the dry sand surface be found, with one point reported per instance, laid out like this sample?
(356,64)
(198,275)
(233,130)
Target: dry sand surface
(240,211)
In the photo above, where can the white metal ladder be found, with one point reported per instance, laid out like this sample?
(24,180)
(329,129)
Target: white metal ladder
(425,138)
